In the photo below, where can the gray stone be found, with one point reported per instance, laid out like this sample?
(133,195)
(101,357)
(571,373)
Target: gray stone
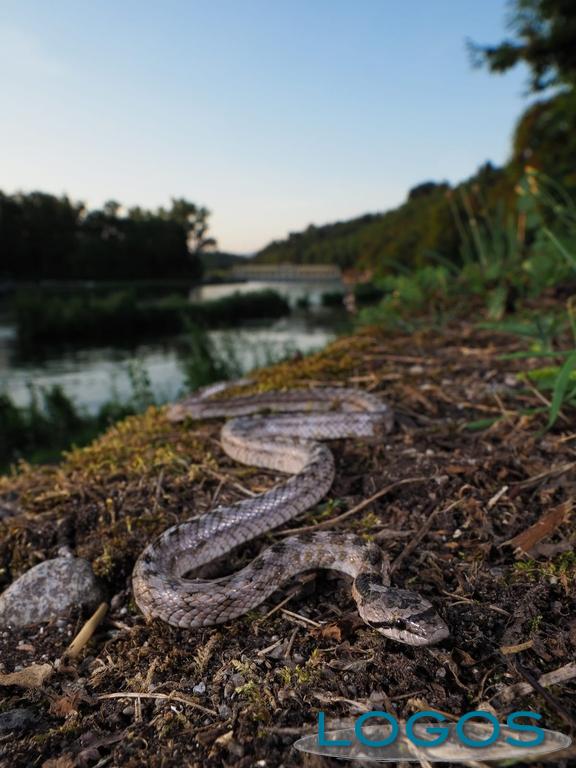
(18,720)
(48,590)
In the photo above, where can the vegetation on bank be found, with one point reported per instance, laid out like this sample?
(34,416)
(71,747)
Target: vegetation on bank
(95,319)
(51,422)
(506,260)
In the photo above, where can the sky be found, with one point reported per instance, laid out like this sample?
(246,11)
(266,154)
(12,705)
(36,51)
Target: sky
(274,114)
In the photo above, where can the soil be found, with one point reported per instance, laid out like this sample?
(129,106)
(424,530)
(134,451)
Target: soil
(477,518)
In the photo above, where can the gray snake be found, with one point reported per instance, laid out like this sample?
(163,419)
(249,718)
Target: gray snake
(287,441)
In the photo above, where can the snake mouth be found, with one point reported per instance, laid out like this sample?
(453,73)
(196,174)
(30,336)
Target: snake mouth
(425,628)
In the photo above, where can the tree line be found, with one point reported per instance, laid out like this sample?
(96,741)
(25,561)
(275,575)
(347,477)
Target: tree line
(43,236)
(404,237)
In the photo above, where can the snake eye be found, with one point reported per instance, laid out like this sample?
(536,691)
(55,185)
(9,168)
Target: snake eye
(399,624)
(393,624)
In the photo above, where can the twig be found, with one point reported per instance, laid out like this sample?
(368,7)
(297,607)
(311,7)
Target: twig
(553,702)
(82,638)
(463,599)
(291,642)
(506,412)
(161,697)
(292,615)
(158,492)
(354,510)
(507,650)
(543,399)
(403,358)
(279,606)
(554,472)
(560,675)
(496,498)
(226,479)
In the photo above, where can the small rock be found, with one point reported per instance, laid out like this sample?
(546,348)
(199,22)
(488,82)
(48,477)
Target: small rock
(18,720)
(22,646)
(48,590)
(440,673)
(65,551)
(200,688)
(278,652)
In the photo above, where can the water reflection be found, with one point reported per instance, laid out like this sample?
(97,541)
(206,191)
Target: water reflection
(311,290)
(92,376)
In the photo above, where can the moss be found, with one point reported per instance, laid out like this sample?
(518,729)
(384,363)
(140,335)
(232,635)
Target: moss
(561,569)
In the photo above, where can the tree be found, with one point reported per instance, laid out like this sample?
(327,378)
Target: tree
(48,237)
(112,208)
(194,219)
(545,138)
(544,39)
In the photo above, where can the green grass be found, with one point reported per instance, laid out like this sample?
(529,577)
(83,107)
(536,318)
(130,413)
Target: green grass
(507,258)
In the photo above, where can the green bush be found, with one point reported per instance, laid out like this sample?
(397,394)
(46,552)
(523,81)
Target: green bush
(332,299)
(96,319)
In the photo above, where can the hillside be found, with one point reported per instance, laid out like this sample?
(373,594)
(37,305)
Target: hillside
(406,235)
(426,223)
(212,260)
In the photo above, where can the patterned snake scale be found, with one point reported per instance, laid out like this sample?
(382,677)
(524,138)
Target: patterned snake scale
(285,439)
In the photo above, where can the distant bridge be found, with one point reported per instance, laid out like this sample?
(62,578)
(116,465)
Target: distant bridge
(286,272)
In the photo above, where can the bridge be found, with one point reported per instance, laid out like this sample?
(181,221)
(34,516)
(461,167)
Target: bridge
(286,272)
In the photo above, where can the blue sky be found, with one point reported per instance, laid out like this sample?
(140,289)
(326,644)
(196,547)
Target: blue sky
(273,113)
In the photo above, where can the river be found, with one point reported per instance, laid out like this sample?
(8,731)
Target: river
(92,376)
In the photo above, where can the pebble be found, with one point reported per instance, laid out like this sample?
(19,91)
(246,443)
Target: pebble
(20,719)
(48,590)
(200,688)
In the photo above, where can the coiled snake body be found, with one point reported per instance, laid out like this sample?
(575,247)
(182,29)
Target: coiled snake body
(286,442)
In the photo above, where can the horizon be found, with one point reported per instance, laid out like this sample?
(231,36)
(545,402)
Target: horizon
(288,124)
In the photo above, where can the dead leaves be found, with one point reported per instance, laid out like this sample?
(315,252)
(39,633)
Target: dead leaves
(33,676)
(542,528)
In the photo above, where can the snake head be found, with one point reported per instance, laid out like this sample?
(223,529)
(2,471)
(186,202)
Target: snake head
(399,614)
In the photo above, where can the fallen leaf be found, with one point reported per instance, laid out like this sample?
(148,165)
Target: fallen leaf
(331,632)
(546,525)
(65,705)
(509,649)
(33,676)
(64,761)
(465,659)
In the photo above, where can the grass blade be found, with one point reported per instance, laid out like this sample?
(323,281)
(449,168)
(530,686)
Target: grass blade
(560,387)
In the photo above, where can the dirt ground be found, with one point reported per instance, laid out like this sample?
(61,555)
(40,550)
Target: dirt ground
(476,520)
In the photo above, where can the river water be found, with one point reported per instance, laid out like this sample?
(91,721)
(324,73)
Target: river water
(94,375)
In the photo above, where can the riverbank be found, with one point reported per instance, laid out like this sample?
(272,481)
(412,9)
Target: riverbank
(86,340)
(468,497)
(42,319)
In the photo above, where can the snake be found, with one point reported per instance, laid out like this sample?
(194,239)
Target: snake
(284,431)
